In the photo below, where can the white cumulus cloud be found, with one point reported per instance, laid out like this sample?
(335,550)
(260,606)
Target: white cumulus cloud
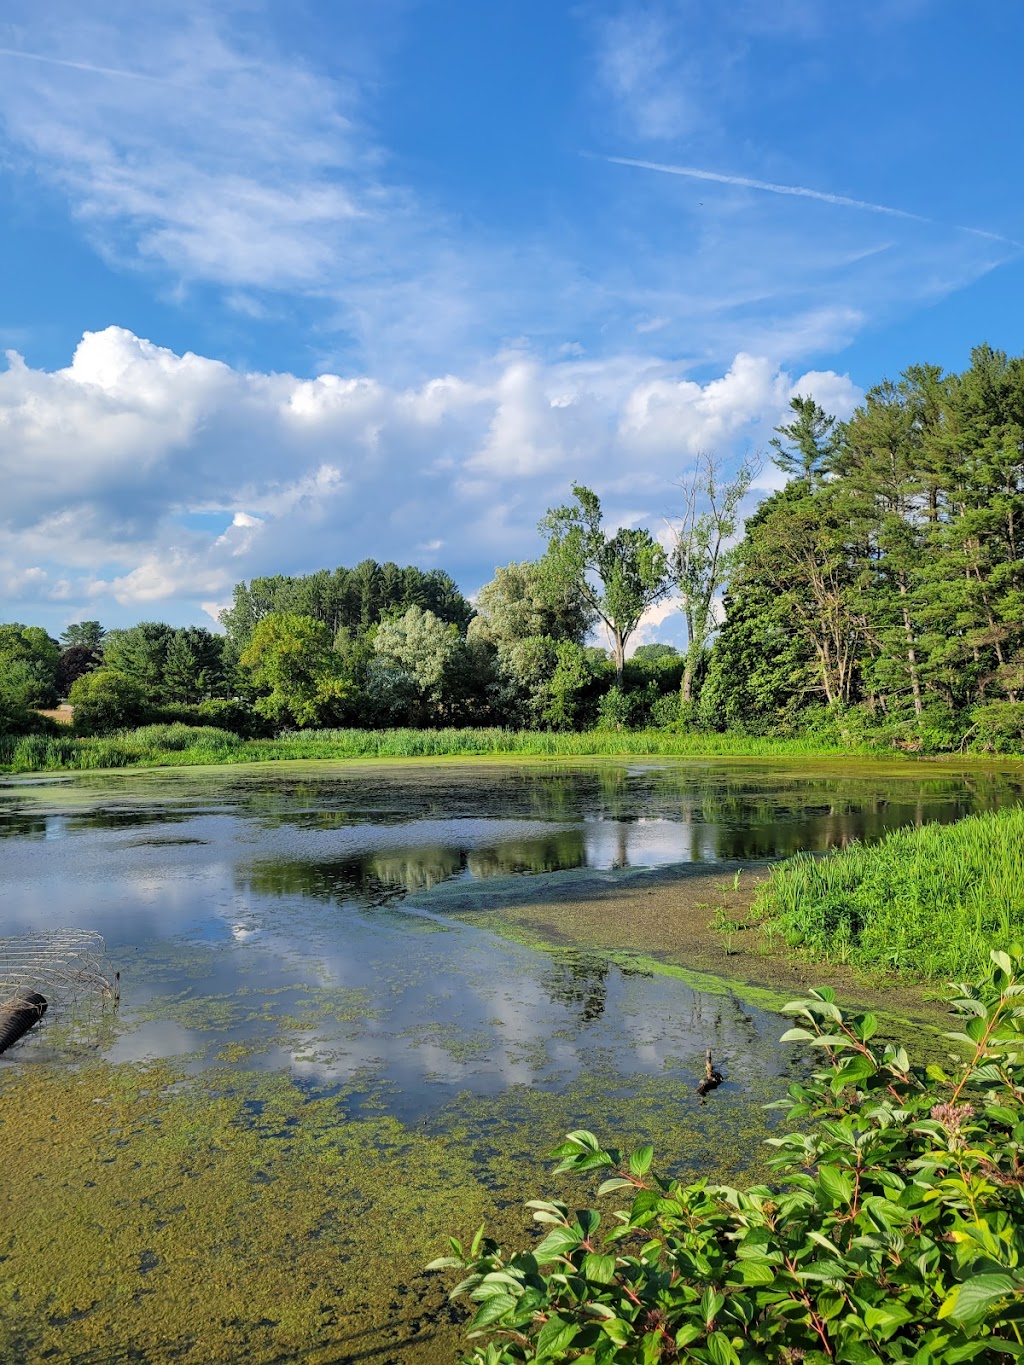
(140,479)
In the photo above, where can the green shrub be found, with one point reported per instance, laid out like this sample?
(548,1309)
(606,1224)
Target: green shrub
(104,701)
(894,1230)
(665,711)
(928,900)
(998,727)
(177,737)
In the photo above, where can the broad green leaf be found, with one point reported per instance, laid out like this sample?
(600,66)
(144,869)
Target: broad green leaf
(615,1182)
(619,1331)
(721,1350)
(836,1184)
(494,1308)
(640,1161)
(558,1242)
(555,1336)
(970,1302)
(600,1269)
(884,1319)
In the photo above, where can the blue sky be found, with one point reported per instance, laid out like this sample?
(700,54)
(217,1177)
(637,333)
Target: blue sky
(289,285)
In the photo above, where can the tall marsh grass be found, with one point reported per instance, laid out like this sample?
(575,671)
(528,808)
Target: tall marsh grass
(931,901)
(162,745)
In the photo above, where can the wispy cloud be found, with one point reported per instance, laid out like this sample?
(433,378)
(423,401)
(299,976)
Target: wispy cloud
(797,191)
(81,66)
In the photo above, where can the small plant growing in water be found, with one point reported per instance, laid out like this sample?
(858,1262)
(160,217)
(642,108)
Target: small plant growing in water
(894,1230)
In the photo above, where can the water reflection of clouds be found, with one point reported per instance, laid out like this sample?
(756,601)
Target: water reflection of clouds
(243,899)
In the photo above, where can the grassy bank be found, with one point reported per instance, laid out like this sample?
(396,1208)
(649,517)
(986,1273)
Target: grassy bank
(930,901)
(163,745)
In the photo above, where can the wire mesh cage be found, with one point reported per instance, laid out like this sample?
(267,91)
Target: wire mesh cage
(65,971)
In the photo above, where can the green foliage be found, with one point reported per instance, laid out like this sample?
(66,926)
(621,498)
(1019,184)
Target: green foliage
(566,694)
(193,665)
(65,752)
(622,709)
(83,635)
(522,602)
(345,599)
(291,660)
(140,653)
(893,1231)
(655,653)
(929,900)
(998,727)
(175,737)
(806,445)
(106,700)
(28,669)
(889,573)
(417,662)
(183,666)
(616,576)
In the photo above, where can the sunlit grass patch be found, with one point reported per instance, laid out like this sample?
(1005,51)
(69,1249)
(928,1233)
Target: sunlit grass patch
(166,745)
(931,900)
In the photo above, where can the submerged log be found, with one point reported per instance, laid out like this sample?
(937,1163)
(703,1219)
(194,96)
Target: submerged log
(712,1078)
(18,1015)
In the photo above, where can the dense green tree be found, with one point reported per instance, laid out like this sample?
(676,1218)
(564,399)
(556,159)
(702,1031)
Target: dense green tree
(654,653)
(83,635)
(291,661)
(565,706)
(522,614)
(28,665)
(522,601)
(617,576)
(424,673)
(345,599)
(194,666)
(805,446)
(140,653)
(106,700)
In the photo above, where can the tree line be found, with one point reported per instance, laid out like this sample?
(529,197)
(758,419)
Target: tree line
(879,592)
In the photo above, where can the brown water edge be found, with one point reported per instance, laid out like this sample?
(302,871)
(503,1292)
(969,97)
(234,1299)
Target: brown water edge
(666,917)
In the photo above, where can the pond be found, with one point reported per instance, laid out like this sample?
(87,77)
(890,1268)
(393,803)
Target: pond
(324,1061)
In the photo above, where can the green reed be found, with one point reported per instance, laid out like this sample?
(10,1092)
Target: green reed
(931,900)
(163,745)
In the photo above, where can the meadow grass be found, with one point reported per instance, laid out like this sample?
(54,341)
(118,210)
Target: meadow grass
(164,745)
(931,901)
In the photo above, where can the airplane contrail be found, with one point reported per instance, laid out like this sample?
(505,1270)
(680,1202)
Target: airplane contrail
(82,66)
(800,191)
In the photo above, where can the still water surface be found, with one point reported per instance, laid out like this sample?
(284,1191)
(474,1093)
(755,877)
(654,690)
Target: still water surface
(286,899)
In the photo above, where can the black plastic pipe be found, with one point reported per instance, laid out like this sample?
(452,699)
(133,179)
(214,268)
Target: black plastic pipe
(18,1015)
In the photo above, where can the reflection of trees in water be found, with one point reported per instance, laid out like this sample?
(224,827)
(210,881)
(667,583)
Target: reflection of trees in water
(550,854)
(415,869)
(22,826)
(742,811)
(580,982)
(732,813)
(339,879)
(374,878)
(374,875)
